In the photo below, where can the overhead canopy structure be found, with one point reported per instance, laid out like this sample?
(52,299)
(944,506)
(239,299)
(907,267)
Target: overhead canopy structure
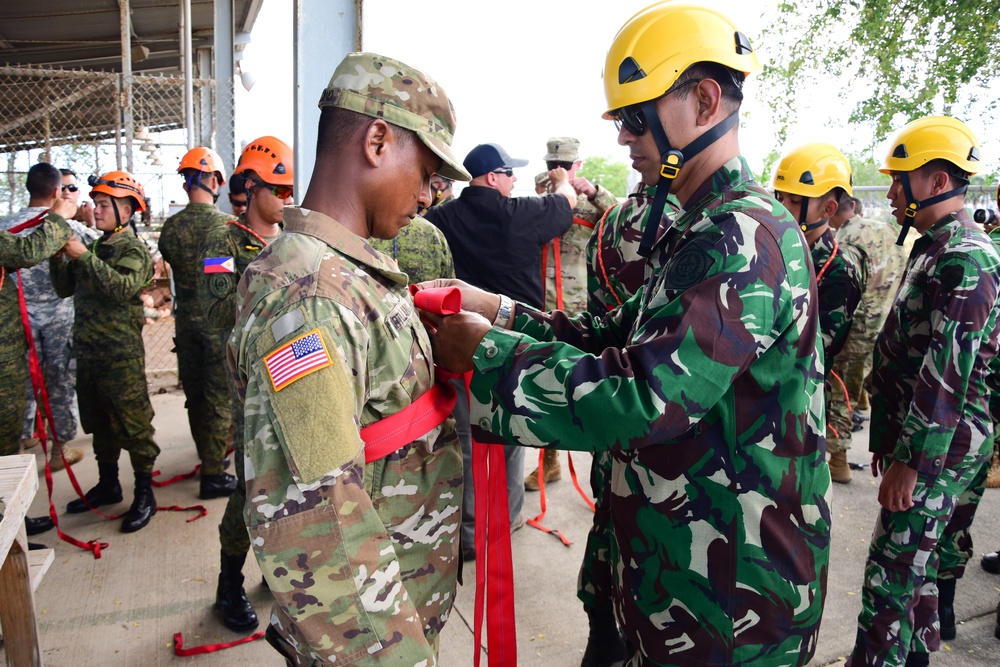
(61,64)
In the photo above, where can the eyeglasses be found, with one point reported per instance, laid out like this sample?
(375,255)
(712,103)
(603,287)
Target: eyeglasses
(237,202)
(71,188)
(508,172)
(632,117)
(279,191)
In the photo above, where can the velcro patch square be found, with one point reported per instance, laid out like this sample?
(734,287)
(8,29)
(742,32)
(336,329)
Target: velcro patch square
(296,359)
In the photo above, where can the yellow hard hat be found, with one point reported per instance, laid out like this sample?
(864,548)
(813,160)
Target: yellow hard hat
(658,43)
(933,138)
(812,170)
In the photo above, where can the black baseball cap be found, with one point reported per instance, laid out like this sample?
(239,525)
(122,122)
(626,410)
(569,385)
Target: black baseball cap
(485,158)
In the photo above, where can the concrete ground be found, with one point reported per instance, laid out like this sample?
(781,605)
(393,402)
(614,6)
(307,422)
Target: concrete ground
(124,608)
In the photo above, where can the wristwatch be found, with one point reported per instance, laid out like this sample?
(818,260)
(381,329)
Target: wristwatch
(503,312)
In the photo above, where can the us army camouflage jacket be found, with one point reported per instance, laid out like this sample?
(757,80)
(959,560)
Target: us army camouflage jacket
(929,397)
(181,240)
(573,253)
(615,270)
(840,288)
(876,242)
(420,250)
(707,388)
(18,252)
(359,558)
(218,290)
(106,283)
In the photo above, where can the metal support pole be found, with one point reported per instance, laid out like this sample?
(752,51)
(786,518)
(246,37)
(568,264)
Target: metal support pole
(188,78)
(125,12)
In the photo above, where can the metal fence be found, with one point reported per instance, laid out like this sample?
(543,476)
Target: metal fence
(84,120)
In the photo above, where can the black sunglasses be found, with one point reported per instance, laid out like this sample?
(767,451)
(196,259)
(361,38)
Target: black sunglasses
(509,172)
(71,188)
(632,118)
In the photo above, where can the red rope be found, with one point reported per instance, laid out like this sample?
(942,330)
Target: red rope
(179,649)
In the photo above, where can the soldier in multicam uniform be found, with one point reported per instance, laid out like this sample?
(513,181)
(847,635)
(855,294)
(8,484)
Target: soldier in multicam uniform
(201,347)
(809,181)
(931,434)
(615,271)
(707,385)
(51,320)
(324,316)
(20,252)
(266,175)
(568,290)
(105,281)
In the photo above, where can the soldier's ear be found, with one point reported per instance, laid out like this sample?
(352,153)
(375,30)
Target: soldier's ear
(374,141)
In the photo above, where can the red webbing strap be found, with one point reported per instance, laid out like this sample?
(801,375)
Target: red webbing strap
(557,260)
(415,421)
(494,562)
(583,223)
(537,521)
(179,649)
(576,483)
(44,408)
(545,269)
(836,248)
(175,478)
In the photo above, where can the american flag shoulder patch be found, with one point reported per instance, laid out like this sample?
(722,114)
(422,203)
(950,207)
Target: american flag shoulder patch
(296,359)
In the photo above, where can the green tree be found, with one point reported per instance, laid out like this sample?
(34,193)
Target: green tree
(911,58)
(610,173)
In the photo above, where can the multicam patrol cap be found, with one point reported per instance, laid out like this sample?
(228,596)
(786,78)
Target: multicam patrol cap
(384,88)
(562,149)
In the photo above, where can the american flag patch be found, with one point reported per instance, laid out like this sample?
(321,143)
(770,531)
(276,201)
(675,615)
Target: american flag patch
(296,359)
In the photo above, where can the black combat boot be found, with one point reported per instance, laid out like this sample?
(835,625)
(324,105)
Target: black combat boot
(917,659)
(107,492)
(217,486)
(231,600)
(946,607)
(37,526)
(143,505)
(605,645)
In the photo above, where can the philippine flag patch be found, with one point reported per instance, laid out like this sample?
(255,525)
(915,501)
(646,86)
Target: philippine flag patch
(220,265)
(296,359)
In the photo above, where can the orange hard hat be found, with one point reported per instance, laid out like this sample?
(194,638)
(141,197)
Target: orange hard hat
(202,158)
(119,184)
(271,159)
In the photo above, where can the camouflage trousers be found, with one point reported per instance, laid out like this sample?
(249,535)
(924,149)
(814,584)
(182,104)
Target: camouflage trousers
(115,409)
(201,368)
(233,536)
(595,584)
(13,376)
(53,336)
(856,358)
(899,599)
(955,546)
(839,417)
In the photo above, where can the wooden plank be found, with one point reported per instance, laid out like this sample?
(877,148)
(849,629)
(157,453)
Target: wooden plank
(18,484)
(39,562)
(17,608)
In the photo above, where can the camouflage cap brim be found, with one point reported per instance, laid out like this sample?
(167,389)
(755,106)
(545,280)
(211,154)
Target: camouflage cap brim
(381,87)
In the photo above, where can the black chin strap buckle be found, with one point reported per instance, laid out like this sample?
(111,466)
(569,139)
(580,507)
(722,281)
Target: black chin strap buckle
(671,163)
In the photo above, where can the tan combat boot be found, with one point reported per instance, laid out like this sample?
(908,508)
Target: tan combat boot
(553,471)
(73,455)
(993,477)
(840,472)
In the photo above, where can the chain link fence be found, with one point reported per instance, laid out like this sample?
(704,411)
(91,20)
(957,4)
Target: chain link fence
(82,120)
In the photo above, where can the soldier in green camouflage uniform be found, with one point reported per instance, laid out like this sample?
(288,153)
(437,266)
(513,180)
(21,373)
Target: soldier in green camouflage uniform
(227,252)
(376,543)
(706,386)
(931,432)
(19,252)
(106,280)
(201,347)
(809,181)
(615,271)
(420,250)
(570,293)
(441,190)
